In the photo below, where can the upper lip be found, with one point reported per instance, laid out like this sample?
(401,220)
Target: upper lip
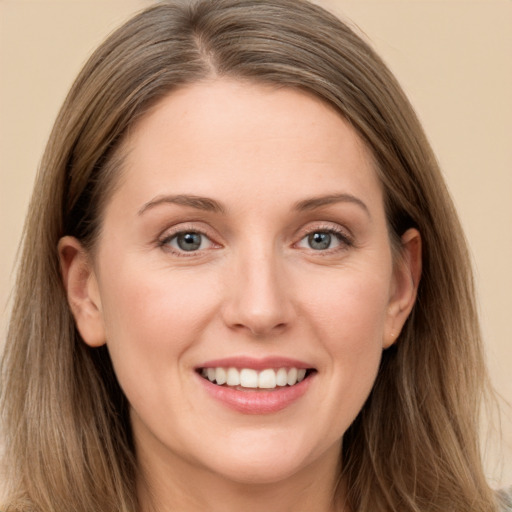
(255,363)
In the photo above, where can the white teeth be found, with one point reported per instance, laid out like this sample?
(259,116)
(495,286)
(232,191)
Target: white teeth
(292,376)
(267,379)
(249,378)
(233,377)
(282,377)
(220,376)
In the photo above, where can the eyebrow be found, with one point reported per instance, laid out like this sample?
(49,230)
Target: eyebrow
(318,202)
(200,203)
(210,205)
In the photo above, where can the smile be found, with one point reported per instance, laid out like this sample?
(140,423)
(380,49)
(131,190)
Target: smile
(249,378)
(251,385)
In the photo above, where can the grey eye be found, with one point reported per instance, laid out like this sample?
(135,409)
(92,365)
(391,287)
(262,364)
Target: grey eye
(188,241)
(319,241)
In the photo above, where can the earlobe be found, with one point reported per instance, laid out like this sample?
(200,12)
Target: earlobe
(407,274)
(82,291)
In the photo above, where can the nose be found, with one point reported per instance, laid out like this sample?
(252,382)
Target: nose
(259,296)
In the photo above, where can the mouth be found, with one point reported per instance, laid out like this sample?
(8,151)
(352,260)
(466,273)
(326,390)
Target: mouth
(249,379)
(251,385)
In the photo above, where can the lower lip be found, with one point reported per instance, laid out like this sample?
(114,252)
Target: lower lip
(257,401)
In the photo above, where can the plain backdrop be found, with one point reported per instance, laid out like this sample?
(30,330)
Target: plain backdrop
(453,58)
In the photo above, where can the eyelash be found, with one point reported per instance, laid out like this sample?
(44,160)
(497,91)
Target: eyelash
(345,240)
(168,237)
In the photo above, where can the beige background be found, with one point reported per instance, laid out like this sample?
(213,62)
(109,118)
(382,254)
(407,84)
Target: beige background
(453,57)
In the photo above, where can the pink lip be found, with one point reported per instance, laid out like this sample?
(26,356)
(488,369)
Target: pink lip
(254,363)
(256,401)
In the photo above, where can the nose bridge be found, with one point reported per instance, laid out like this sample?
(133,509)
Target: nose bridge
(259,296)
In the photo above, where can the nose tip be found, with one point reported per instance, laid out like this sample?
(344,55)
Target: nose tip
(259,302)
(260,323)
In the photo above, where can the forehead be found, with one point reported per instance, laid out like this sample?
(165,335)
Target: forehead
(214,135)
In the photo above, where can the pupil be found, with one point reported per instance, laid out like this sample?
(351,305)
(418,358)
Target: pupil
(189,241)
(319,241)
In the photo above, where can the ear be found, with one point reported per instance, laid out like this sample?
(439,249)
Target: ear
(82,290)
(406,278)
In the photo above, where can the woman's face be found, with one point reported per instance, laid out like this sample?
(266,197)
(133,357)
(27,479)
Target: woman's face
(246,242)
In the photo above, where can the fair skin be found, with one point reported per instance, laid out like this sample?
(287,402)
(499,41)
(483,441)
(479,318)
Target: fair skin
(284,262)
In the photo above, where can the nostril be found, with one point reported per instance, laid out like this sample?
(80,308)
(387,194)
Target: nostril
(260,329)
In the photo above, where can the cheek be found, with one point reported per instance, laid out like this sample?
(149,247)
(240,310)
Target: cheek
(167,304)
(349,318)
(151,320)
(349,304)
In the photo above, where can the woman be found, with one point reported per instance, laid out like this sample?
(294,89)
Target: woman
(250,289)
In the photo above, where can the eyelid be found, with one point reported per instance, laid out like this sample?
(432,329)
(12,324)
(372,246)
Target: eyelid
(186,227)
(344,236)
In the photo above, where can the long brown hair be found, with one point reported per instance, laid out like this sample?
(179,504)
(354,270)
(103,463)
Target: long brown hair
(415,445)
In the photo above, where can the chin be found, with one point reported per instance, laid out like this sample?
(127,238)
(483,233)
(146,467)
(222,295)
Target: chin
(259,472)
(271,461)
